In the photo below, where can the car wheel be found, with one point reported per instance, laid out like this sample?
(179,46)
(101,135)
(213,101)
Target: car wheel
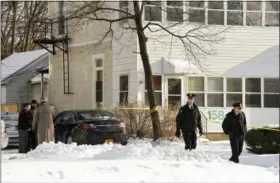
(124,143)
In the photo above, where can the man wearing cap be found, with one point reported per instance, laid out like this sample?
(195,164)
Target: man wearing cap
(188,120)
(235,125)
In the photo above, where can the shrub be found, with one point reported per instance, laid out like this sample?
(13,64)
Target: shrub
(263,141)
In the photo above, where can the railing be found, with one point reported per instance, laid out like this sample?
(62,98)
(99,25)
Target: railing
(204,120)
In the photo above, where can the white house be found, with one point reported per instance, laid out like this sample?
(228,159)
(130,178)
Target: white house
(245,66)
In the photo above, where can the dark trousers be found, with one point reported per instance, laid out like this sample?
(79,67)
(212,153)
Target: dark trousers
(236,144)
(190,140)
(23,141)
(33,139)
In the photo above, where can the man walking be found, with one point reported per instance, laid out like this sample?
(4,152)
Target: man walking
(235,125)
(32,135)
(24,126)
(188,120)
(43,123)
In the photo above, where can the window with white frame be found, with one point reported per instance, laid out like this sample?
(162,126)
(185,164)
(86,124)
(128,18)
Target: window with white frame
(271,93)
(272,13)
(61,18)
(233,91)
(174,92)
(123,7)
(235,12)
(123,89)
(99,82)
(197,11)
(153,11)
(196,85)
(174,11)
(254,13)
(157,80)
(253,92)
(215,92)
(216,12)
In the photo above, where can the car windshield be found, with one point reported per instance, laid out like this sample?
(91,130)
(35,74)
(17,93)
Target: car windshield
(9,116)
(90,115)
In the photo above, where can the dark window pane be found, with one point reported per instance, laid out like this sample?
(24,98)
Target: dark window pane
(233,98)
(158,98)
(153,13)
(234,84)
(124,83)
(197,4)
(272,5)
(154,3)
(99,63)
(196,83)
(99,96)
(197,16)
(215,100)
(254,5)
(271,85)
(253,84)
(234,18)
(175,14)
(99,75)
(174,101)
(174,86)
(91,115)
(215,17)
(253,19)
(199,99)
(271,100)
(124,98)
(174,3)
(253,100)
(157,83)
(99,85)
(216,5)
(235,5)
(215,84)
(272,19)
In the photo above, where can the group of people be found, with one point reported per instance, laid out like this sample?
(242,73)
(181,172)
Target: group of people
(35,125)
(188,121)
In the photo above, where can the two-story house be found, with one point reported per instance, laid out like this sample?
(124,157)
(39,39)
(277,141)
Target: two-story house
(245,66)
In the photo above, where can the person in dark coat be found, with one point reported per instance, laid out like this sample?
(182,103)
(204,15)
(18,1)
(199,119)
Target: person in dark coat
(235,125)
(32,135)
(24,126)
(189,120)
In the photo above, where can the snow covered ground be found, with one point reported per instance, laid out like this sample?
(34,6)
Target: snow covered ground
(139,161)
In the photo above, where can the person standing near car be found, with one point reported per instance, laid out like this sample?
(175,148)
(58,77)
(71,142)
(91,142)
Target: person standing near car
(188,120)
(32,135)
(24,126)
(43,123)
(235,125)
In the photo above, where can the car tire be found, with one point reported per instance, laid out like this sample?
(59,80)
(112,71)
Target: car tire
(124,143)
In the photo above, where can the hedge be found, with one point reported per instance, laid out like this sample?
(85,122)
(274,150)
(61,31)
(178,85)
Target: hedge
(263,141)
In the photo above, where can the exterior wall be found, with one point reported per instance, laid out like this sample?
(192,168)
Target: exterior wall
(81,77)
(36,91)
(3,94)
(18,90)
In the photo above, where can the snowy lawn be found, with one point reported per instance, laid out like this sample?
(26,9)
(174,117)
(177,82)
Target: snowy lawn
(139,161)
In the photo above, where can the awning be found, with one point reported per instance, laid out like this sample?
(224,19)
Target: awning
(163,66)
(265,64)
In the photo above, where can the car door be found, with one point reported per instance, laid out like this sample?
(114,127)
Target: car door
(63,125)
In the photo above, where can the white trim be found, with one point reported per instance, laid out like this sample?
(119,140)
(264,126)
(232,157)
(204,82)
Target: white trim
(89,42)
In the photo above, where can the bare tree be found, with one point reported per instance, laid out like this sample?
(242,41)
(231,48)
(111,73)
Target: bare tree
(193,39)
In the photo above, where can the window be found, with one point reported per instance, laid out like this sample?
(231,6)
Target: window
(153,11)
(271,92)
(197,11)
(235,13)
(174,11)
(253,92)
(99,82)
(196,85)
(215,92)
(174,92)
(272,13)
(233,91)
(61,18)
(124,90)
(158,91)
(216,12)
(254,13)
(124,7)
(91,115)
(66,118)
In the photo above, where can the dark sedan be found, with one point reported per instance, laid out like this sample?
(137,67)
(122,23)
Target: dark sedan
(89,127)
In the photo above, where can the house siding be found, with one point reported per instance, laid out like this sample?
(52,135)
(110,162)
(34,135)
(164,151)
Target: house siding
(36,91)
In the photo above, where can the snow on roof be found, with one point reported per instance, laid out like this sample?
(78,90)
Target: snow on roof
(17,61)
(37,79)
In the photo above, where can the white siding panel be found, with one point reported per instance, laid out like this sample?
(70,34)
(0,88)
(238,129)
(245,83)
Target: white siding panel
(3,94)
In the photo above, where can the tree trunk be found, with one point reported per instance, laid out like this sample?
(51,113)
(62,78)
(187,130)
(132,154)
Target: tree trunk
(148,71)
(14,10)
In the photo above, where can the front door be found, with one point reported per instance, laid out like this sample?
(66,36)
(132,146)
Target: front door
(174,91)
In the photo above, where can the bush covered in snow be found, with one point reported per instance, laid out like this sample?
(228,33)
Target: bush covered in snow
(263,141)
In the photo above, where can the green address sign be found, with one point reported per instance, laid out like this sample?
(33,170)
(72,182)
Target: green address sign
(216,115)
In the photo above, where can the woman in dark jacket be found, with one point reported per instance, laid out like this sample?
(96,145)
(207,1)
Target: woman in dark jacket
(24,126)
